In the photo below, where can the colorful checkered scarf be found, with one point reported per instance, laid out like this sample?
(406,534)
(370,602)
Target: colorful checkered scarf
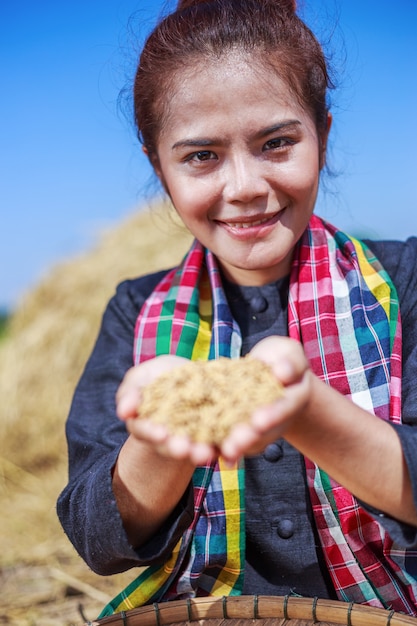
(343,308)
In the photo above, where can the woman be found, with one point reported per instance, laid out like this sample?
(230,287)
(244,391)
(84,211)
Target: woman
(231,108)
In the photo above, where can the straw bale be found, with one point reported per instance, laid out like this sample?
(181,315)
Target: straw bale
(52,332)
(48,340)
(42,355)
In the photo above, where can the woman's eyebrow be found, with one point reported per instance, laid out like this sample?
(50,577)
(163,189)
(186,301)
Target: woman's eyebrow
(286,125)
(184,143)
(205,141)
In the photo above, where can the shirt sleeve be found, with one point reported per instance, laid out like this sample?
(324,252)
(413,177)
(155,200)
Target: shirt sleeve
(400,261)
(87,507)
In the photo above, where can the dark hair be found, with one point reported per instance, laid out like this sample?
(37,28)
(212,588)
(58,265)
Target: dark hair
(205,30)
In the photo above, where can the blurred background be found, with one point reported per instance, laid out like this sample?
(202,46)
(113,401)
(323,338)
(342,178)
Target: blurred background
(75,194)
(70,164)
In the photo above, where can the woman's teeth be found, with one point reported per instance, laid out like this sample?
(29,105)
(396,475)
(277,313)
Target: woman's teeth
(248,224)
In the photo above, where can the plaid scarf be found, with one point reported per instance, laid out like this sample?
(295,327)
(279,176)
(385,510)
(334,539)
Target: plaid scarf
(344,309)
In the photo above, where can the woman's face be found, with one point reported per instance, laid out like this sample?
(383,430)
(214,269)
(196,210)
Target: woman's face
(240,160)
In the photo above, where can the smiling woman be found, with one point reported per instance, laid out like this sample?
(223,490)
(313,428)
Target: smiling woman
(245,185)
(232,111)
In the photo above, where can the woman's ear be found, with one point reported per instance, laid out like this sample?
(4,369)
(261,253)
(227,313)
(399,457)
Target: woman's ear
(324,139)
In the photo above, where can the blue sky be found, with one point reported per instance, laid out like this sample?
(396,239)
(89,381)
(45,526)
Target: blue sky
(70,164)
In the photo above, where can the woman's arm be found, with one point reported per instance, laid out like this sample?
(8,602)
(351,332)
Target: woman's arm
(373,459)
(87,507)
(149,480)
(360,451)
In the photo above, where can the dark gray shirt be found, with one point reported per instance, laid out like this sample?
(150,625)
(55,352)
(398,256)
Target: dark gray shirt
(282,548)
(283,551)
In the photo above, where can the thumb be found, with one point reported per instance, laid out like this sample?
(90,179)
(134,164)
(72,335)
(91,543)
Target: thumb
(285,356)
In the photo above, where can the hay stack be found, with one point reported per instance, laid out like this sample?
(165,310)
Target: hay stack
(53,331)
(41,358)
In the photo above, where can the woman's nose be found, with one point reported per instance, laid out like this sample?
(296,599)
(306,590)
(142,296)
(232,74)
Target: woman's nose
(244,180)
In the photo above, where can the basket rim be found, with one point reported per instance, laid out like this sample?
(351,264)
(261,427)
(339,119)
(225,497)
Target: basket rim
(256,608)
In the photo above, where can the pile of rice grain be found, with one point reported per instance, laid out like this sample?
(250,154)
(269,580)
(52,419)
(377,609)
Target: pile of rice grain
(205,399)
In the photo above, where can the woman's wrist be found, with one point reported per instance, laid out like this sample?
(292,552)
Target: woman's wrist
(147,486)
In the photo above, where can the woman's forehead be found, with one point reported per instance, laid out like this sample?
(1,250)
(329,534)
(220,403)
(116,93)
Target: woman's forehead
(227,87)
(219,76)
(216,104)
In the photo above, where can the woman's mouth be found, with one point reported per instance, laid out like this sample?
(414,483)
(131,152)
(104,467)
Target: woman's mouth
(250,228)
(248,224)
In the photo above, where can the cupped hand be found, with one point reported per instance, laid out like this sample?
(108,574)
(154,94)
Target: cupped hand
(288,362)
(129,394)
(128,400)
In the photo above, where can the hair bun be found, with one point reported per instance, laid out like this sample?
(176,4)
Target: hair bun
(290,5)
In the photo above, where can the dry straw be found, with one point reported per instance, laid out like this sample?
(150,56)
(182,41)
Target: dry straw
(41,358)
(53,331)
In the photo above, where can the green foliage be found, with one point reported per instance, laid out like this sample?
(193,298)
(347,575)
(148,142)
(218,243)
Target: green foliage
(4,319)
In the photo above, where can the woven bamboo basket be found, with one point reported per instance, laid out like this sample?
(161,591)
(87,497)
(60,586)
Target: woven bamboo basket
(256,611)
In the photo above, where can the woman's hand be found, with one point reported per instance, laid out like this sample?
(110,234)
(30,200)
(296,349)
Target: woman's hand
(153,470)
(156,435)
(129,393)
(343,439)
(289,364)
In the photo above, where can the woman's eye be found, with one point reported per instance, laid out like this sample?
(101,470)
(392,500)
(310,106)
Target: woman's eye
(277,143)
(202,155)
